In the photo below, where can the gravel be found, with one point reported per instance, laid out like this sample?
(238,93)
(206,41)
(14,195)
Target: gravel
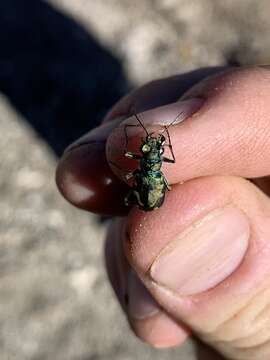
(56,302)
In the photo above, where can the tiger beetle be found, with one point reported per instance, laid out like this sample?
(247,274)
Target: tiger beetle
(149,183)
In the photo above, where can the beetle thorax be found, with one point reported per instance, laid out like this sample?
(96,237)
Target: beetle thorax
(152,150)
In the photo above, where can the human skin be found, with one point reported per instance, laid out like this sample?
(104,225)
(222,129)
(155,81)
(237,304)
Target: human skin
(200,264)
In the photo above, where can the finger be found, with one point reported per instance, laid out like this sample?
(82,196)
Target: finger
(229,134)
(159,92)
(85,179)
(83,175)
(149,322)
(204,256)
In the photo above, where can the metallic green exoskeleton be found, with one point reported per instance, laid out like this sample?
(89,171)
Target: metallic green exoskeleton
(149,183)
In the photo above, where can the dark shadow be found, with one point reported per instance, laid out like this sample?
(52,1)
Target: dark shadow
(204,352)
(54,72)
(232,57)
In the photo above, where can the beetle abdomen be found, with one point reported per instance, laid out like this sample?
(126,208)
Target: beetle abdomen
(151,189)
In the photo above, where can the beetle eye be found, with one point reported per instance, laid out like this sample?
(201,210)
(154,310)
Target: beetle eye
(161,139)
(146,148)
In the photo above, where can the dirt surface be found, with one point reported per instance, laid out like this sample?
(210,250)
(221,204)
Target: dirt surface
(56,302)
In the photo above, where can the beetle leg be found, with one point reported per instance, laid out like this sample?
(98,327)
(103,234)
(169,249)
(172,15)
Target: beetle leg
(133,198)
(132,155)
(167,160)
(169,145)
(167,184)
(137,195)
(132,174)
(129,175)
(128,198)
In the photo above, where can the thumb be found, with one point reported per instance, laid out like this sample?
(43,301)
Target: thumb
(204,256)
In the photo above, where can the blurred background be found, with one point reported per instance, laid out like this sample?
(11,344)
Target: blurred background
(63,63)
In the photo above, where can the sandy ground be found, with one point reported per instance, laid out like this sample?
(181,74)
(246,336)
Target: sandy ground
(56,302)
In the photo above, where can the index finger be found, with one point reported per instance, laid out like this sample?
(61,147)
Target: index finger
(228,135)
(83,175)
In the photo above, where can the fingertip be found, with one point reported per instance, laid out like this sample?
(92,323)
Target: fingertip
(160,331)
(147,319)
(85,180)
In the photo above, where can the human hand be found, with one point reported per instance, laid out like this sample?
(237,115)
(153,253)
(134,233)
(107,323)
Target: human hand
(204,255)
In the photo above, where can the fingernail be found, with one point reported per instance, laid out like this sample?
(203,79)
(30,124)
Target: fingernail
(141,305)
(205,254)
(173,113)
(99,134)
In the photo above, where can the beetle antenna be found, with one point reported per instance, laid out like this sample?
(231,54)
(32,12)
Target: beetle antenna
(140,122)
(167,127)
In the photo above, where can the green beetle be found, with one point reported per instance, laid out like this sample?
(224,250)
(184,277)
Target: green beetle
(149,183)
